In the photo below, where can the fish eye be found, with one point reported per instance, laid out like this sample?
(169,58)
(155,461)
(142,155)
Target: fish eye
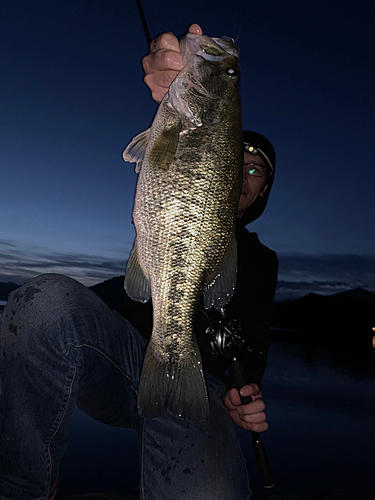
(232,72)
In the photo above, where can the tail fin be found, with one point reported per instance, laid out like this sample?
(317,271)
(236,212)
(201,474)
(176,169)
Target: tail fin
(175,387)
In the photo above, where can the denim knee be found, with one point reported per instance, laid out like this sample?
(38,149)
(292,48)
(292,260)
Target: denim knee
(33,308)
(38,386)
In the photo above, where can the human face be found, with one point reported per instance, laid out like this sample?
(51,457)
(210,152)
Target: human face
(252,187)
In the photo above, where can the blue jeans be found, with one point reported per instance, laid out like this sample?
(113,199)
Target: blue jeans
(61,346)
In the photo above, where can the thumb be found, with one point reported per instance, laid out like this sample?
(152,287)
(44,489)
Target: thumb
(195,29)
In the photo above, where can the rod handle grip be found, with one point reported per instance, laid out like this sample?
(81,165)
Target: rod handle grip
(264,466)
(265,472)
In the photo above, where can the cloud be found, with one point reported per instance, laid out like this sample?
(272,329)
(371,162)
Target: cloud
(298,274)
(329,262)
(324,274)
(19,262)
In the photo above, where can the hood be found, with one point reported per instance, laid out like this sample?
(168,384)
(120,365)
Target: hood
(267,153)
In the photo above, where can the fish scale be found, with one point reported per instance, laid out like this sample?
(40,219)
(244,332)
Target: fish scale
(190,175)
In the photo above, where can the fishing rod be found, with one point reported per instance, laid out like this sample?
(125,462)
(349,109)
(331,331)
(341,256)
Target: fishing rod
(144,23)
(227,343)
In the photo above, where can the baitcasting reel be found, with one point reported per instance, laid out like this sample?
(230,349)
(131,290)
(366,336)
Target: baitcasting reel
(225,338)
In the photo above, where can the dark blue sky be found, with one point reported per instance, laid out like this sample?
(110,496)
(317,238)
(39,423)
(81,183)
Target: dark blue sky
(72,97)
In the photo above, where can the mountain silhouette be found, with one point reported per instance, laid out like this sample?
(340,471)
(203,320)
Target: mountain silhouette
(342,320)
(6,288)
(111,291)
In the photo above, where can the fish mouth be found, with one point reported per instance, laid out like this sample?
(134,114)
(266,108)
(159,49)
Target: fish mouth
(189,45)
(228,44)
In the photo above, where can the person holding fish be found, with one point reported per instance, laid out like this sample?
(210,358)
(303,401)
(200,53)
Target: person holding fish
(149,366)
(257,265)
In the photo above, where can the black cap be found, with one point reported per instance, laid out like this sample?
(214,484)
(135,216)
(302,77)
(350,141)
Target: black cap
(259,145)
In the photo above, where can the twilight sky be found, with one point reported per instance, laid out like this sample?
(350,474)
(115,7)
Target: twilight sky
(72,97)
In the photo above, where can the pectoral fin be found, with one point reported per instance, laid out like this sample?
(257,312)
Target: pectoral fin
(220,286)
(135,150)
(165,147)
(136,284)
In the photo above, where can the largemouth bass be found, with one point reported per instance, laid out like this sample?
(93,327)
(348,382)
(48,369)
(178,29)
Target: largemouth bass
(190,176)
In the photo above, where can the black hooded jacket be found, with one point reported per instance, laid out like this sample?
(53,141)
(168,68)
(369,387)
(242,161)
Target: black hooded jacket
(252,302)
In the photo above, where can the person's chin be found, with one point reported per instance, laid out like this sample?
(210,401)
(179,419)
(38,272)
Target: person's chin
(240,212)
(241,205)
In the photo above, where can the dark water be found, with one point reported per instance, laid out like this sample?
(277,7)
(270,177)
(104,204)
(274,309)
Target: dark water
(321,411)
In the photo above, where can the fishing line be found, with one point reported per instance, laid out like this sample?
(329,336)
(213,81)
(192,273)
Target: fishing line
(144,23)
(243,93)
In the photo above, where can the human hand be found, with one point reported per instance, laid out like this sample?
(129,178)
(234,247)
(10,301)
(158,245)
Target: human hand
(250,417)
(163,63)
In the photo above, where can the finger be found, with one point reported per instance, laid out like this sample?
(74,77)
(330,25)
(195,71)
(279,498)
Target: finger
(228,403)
(232,400)
(235,397)
(248,426)
(256,406)
(161,79)
(196,29)
(162,60)
(159,83)
(257,422)
(250,390)
(255,427)
(254,418)
(165,41)
(157,91)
